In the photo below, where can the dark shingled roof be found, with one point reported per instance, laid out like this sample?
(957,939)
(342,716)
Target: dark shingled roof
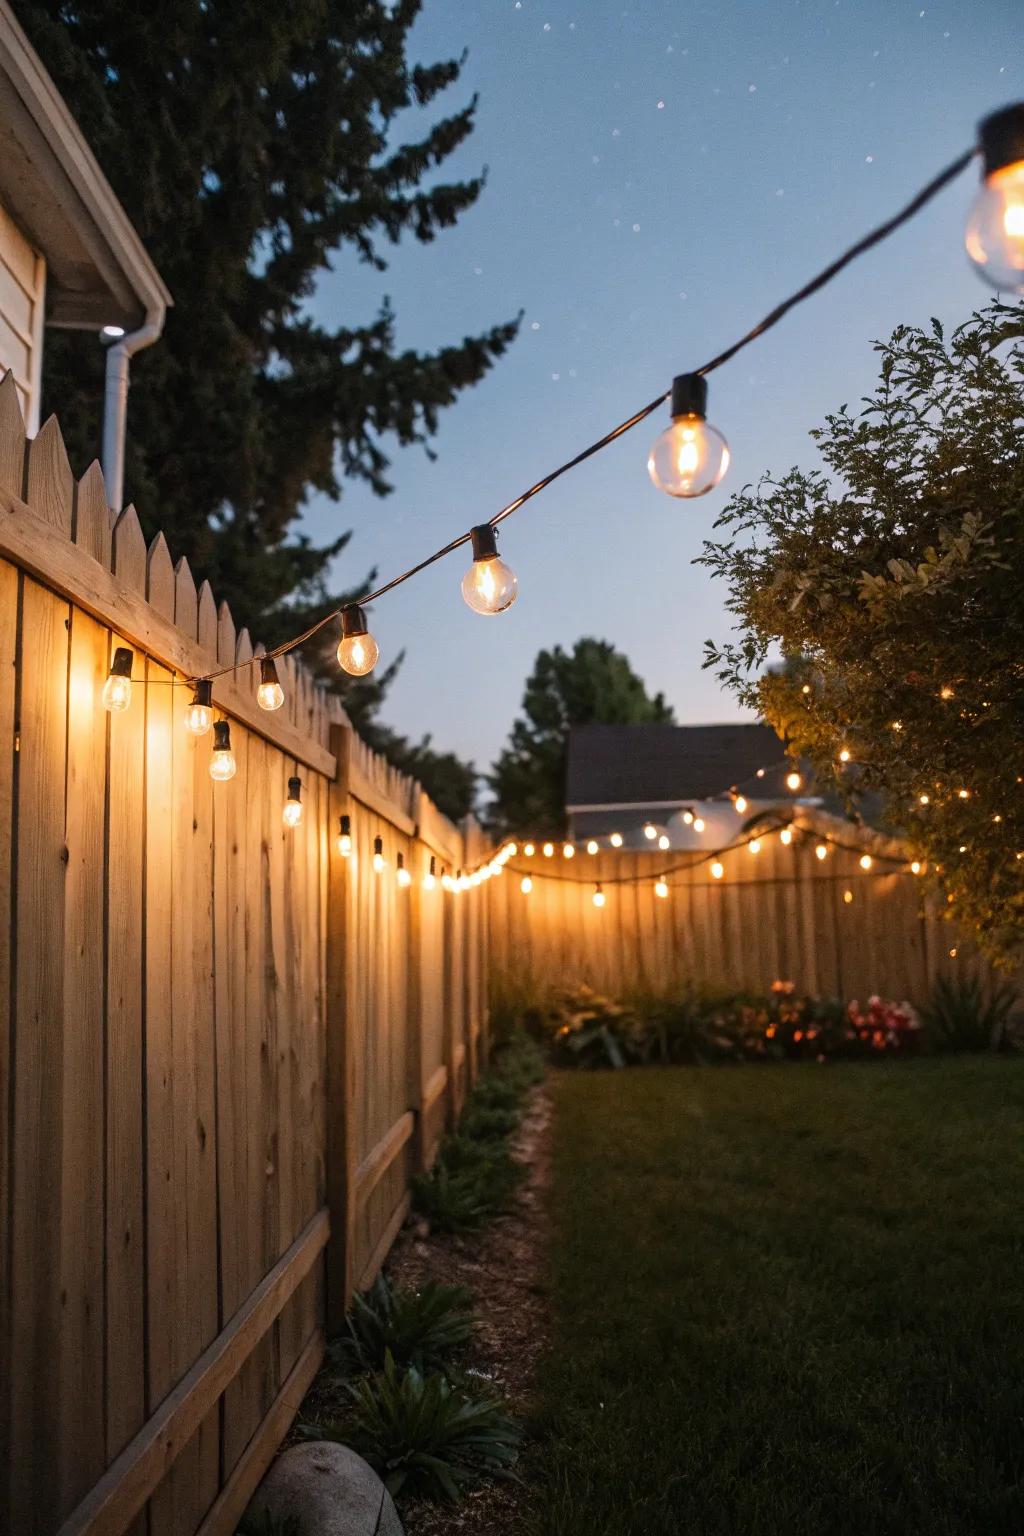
(641,764)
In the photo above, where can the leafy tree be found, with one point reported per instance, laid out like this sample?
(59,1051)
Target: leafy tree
(895,575)
(593,684)
(249,143)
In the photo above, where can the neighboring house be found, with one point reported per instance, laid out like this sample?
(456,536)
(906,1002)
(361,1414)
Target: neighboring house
(69,255)
(622,777)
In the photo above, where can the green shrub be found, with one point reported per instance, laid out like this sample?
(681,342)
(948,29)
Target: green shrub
(423,1328)
(425,1435)
(463,1197)
(584,1029)
(483,1122)
(959,1016)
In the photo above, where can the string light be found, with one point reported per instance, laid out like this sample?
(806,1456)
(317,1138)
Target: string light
(345,837)
(865,861)
(821,851)
(269,694)
(844,754)
(995,224)
(199,714)
(430,878)
(117,690)
(718,869)
(663,842)
(489,586)
(402,875)
(847,897)
(754,846)
(793,781)
(616,839)
(690,457)
(568,851)
(357,651)
(740,803)
(447,883)
(598,896)
(688,817)
(946,693)
(528,850)
(698,824)
(526,885)
(222,760)
(924,799)
(660,888)
(786,836)
(963,794)
(915,867)
(548,850)
(592,846)
(378,855)
(292,813)
(650,832)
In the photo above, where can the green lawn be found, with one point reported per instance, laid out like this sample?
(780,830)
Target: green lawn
(787,1301)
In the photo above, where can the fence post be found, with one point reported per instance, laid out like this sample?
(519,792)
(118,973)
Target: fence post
(414,996)
(340,1150)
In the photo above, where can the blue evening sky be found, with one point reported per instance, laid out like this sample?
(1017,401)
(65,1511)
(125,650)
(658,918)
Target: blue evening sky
(660,174)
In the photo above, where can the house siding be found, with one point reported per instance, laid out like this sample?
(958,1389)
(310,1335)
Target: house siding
(22,304)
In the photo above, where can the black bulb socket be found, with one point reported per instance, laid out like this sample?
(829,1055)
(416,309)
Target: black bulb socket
(121,666)
(690,395)
(485,542)
(221,736)
(378,845)
(204,692)
(1001,137)
(268,670)
(294,788)
(353,621)
(346,826)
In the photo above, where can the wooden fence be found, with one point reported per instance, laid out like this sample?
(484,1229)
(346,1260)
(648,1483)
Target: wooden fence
(224,1047)
(828,925)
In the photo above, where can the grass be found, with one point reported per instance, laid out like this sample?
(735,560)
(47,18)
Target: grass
(787,1303)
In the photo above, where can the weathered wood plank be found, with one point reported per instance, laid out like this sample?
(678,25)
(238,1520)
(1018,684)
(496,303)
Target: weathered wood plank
(92,516)
(9,624)
(50,485)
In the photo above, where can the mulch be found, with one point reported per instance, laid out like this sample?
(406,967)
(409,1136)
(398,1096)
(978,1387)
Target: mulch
(505,1268)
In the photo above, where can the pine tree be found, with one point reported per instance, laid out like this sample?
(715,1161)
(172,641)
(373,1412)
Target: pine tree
(251,143)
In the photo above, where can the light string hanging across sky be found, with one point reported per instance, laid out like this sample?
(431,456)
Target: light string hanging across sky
(687,460)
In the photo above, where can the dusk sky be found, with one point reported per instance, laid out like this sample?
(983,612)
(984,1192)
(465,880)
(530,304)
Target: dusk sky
(660,174)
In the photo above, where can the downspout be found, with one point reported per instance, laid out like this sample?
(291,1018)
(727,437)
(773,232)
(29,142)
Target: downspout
(115,400)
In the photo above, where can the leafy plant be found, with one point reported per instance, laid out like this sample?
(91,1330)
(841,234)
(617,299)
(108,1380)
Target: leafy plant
(585,1029)
(466,1188)
(485,1122)
(959,1016)
(423,1328)
(425,1435)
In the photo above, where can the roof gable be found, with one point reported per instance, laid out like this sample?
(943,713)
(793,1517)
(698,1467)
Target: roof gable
(648,764)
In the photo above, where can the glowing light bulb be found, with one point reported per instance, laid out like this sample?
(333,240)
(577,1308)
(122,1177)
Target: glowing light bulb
(510,850)
(793,781)
(598,896)
(526,885)
(924,799)
(995,224)
(489,586)
(269,694)
(402,875)
(945,693)
(952,953)
(378,855)
(430,878)
(717,870)
(222,760)
(847,897)
(616,839)
(663,842)
(292,813)
(866,861)
(844,754)
(650,832)
(688,817)
(786,836)
(117,690)
(568,851)
(591,846)
(548,850)
(963,794)
(690,457)
(754,845)
(199,714)
(698,824)
(806,688)
(660,888)
(528,850)
(821,851)
(740,803)
(447,883)
(345,837)
(915,868)
(357,650)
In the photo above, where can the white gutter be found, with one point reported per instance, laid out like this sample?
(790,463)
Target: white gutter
(115,400)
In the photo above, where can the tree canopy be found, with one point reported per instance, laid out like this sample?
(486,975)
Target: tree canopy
(591,684)
(894,576)
(250,144)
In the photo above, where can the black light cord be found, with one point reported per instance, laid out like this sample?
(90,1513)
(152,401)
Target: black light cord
(874,238)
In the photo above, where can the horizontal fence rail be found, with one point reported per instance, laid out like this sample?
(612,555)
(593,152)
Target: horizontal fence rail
(224,1047)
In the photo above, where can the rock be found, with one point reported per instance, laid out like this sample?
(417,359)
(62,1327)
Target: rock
(329,1491)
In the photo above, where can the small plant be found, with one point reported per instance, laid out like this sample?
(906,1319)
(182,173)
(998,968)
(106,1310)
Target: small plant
(425,1435)
(587,1030)
(959,1017)
(423,1328)
(466,1188)
(484,1122)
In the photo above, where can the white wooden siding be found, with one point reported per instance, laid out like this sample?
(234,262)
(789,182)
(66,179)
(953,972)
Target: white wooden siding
(22,301)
